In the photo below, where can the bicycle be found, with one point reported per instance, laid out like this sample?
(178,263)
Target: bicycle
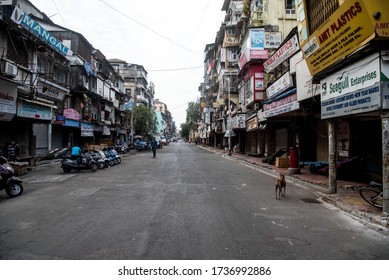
(373,194)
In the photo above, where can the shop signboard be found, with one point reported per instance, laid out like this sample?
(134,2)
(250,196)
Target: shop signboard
(305,88)
(279,86)
(345,31)
(32,110)
(71,114)
(365,73)
(281,106)
(360,101)
(283,53)
(51,91)
(239,121)
(252,124)
(27,22)
(8,95)
(87,129)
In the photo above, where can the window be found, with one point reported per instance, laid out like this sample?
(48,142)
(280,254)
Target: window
(290,7)
(319,11)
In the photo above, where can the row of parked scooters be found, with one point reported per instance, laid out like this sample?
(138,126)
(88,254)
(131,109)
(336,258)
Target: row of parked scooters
(92,160)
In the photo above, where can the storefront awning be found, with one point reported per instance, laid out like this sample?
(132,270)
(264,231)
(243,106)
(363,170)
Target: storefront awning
(39,103)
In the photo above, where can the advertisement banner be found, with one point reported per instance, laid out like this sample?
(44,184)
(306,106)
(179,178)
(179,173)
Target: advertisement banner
(347,29)
(257,38)
(272,40)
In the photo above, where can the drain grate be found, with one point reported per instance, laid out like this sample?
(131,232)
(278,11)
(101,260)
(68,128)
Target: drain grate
(310,200)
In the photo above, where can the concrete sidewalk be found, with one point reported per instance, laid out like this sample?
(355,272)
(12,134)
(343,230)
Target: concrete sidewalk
(347,197)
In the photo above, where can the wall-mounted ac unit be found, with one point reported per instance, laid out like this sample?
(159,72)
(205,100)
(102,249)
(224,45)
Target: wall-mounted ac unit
(8,69)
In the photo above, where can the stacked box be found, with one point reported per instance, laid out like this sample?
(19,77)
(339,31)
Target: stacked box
(282,162)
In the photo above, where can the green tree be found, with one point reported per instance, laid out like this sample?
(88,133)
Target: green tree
(192,116)
(145,120)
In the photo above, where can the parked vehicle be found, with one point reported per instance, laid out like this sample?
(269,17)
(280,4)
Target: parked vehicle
(99,159)
(164,140)
(8,182)
(141,145)
(85,162)
(112,156)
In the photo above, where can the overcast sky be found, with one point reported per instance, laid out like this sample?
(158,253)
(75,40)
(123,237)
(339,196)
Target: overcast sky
(161,35)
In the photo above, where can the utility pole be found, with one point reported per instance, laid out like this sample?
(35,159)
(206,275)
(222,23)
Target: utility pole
(229,115)
(134,102)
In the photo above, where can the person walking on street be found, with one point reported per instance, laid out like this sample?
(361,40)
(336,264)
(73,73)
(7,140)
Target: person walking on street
(154,145)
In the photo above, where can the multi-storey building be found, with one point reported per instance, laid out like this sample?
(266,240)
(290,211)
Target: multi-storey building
(59,90)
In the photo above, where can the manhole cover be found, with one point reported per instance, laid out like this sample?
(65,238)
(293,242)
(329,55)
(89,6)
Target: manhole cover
(310,200)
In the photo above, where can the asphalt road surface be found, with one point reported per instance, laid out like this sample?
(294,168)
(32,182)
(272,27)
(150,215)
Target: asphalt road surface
(186,203)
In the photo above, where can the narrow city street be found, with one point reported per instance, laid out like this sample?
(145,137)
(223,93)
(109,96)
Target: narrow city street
(186,203)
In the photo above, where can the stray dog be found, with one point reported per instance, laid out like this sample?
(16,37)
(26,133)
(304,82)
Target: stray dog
(280,186)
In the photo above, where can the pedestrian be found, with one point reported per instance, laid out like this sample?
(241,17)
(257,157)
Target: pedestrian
(12,151)
(154,145)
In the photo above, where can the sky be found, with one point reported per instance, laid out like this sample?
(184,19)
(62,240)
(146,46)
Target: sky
(167,37)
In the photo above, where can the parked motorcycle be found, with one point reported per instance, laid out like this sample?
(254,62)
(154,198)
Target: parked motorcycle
(12,184)
(85,162)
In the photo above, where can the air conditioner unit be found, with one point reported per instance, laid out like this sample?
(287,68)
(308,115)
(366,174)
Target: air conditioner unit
(8,69)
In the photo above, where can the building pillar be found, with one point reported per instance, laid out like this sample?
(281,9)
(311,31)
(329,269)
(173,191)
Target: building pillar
(332,188)
(385,161)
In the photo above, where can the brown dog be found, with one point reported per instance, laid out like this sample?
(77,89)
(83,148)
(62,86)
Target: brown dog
(280,186)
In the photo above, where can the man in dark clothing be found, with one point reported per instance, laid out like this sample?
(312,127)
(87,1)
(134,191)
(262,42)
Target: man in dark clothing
(154,145)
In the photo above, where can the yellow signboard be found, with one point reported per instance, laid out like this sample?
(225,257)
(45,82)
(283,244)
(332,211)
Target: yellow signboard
(378,11)
(349,28)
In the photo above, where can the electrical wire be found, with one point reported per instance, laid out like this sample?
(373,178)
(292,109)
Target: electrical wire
(150,29)
(59,12)
(175,69)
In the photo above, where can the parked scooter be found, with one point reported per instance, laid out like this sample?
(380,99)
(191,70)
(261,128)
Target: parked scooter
(85,162)
(12,184)
(117,159)
(98,158)
(110,156)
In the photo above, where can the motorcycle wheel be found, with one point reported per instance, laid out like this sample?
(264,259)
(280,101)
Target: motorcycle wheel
(101,165)
(119,160)
(93,166)
(111,163)
(66,169)
(115,161)
(106,164)
(14,190)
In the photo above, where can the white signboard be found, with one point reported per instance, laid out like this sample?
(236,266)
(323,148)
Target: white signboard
(281,106)
(279,86)
(360,101)
(8,94)
(363,74)
(305,88)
